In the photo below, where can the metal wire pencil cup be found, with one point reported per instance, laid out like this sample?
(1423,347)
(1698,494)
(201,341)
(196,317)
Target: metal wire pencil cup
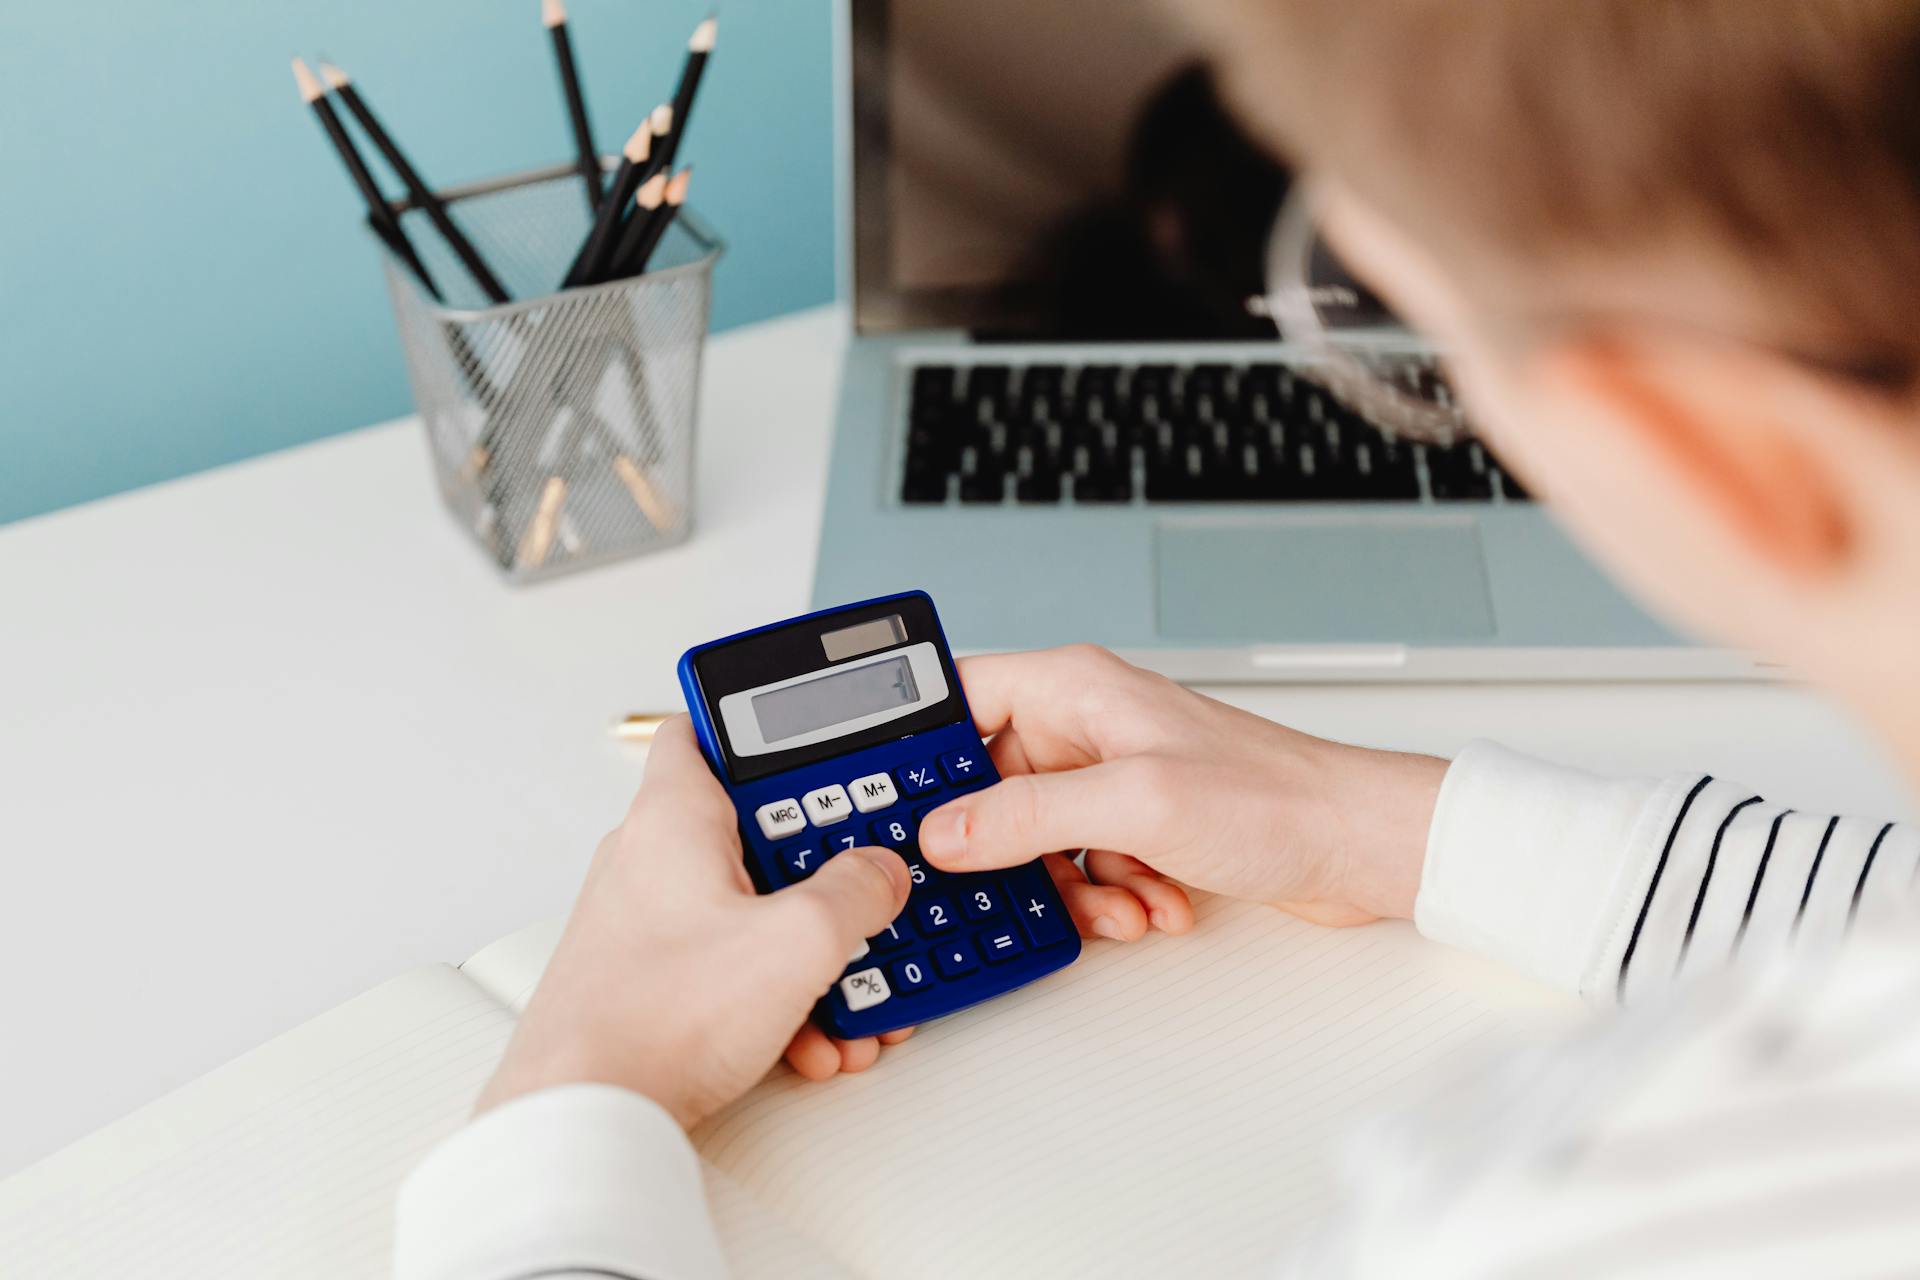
(560,425)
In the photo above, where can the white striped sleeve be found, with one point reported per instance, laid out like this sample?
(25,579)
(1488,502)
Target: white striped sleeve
(1614,889)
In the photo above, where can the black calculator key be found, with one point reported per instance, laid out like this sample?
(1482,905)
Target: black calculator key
(918,779)
(893,937)
(960,766)
(921,872)
(955,959)
(1038,908)
(798,861)
(1001,944)
(841,841)
(892,833)
(910,976)
(935,916)
(979,901)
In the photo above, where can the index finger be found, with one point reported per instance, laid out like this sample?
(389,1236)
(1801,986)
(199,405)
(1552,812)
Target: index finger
(679,780)
(1004,688)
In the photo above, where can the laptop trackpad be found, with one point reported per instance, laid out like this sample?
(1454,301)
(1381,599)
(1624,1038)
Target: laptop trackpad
(1321,580)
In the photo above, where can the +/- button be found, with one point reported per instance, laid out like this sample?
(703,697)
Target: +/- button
(918,779)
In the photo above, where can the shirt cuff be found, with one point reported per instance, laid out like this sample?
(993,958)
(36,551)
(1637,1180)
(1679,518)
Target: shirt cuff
(1529,863)
(583,1177)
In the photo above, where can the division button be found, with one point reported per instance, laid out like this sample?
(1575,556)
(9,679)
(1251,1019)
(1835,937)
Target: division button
(961,766)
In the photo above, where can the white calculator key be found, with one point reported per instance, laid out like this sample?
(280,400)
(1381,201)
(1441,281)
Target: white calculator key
(864,989)
(827,805)
(875,791)
(859,952)
(780,819)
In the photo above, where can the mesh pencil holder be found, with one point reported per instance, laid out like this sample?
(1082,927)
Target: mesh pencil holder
(560,425)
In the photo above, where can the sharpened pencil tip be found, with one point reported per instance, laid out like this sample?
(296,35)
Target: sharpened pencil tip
(310,90)
(651,192)
(677,189)
(661,121)
(334,76)
(640,145)
(552,13)
(703,36)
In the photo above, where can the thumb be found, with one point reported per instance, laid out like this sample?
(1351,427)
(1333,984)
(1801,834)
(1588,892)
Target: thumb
(852,897)
(1104,806)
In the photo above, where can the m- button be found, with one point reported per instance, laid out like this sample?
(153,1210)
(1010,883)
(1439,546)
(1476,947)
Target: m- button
(875,791)
(827,805)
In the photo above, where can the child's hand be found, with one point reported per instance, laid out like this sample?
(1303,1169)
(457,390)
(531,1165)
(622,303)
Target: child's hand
(674,979)
(1156,780)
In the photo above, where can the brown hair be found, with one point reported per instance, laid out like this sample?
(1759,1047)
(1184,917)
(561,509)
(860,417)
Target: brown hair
(1787,131)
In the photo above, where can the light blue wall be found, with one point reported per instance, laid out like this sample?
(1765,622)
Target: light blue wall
(183,277)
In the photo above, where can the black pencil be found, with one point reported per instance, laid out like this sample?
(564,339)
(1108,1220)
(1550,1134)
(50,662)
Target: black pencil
(378,211)
(553,14)
(593,254)
(699,49)
(649,240)
(423,196)
(646,202)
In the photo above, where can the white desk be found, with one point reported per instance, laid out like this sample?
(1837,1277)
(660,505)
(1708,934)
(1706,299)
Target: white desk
(276,733)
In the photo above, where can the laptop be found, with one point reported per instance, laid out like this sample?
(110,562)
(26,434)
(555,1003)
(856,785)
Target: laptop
(1061,416)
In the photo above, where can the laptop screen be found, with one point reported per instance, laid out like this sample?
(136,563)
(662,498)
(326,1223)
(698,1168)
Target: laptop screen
(1050,169)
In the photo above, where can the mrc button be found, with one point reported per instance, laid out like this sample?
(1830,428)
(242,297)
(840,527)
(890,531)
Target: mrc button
(780,819)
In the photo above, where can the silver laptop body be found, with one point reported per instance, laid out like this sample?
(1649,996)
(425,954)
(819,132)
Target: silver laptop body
(1188,499)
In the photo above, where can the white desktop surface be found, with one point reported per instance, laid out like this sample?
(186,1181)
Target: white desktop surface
(275,733)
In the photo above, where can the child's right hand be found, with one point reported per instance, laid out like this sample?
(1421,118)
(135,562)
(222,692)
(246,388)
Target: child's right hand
(1158,781)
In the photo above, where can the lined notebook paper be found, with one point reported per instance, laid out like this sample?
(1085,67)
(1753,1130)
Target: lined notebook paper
(1170,1103)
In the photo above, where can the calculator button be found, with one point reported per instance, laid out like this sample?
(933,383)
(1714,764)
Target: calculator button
(841,841)
(979,901)
(894,833)
(935,915)
(955,959)
(918,779)
(827,805)
(798,861)
(920,873)
(860,952)
(1001,944)
(1041,915)
(910,976)
(873,792)
(961,766)
(894,936)
(864,989)
(781,818)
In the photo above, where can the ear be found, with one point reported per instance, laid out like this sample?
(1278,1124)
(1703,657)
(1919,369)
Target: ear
(1728,436)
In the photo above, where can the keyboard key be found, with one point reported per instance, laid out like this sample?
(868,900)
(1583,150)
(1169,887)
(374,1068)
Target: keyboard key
(892,833)
(873,792)
(798,861)
(979,901)
(894,936)
(779,819)
(1001,944)
(961,766)
(860,952)
(935,916)
(828,805)
(841,841)
(911,976)
(864,989)
(918,779)
(920,871)
(955,959)
(1040,913)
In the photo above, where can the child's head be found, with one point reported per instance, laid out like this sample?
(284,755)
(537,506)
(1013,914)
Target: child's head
(1674,249)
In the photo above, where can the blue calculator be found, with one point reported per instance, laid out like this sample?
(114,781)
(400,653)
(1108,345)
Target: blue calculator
(846,728)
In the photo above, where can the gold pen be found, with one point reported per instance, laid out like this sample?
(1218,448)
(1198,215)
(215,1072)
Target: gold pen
(639,726)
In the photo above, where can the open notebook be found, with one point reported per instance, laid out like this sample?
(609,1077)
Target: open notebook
(1167,1105)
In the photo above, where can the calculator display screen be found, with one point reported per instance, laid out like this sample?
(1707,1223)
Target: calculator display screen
(835,698)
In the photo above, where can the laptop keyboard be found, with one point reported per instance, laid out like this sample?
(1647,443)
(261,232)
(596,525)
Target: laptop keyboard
(1043,434)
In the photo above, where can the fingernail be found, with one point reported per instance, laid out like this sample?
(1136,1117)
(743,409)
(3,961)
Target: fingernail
(943,836)
(1107,927)
(1158,920)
